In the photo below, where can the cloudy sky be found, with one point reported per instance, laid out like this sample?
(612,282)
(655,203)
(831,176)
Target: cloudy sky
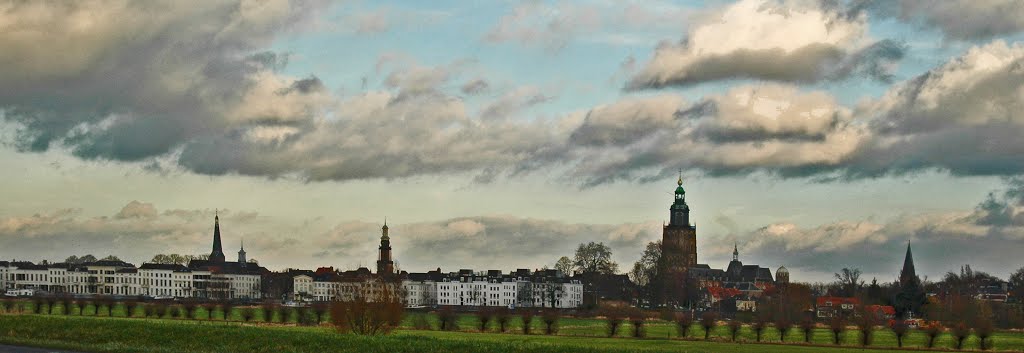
(497,135)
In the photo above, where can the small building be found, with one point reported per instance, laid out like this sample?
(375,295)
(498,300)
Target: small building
(829,307)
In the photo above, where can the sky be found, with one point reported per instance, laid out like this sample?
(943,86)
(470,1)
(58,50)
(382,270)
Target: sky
(815,135)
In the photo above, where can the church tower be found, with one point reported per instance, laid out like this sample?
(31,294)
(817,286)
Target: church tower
(241,255)
(385,266)
(217,255)
(678,250)
(679,237)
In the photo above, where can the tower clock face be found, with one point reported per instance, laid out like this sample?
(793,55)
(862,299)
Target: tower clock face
(679,196)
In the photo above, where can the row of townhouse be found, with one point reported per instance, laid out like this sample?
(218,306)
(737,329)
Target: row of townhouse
(517,289)
(120,278)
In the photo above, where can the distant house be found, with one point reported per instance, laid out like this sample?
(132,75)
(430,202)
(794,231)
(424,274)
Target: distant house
(829,307)
(881,312)
(994,293)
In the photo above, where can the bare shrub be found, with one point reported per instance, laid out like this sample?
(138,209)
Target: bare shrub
(734,329)
(783,325)
(708,321)
(175,311)
(900,329)
(503,316)
(65,302)
(684,321)
(613,317)
(319,309)
(226,307)
(637,319)
(758,326)
(484,317)
(526,316)
(837,325)
(159,309)
(550,318)
(39,304)
(268,308)
(248,313)
(189,305)
(209,307)
(866,323)
(448,319)
(984,329)
(130,307)
(8,305)
(362,316)
(932,331)
(420,322)
(286,314)
(960,332)
(807,327)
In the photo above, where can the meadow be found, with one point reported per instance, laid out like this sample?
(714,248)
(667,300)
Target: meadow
(100,333)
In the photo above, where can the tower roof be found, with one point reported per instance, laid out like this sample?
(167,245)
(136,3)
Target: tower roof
(217,255)
(908,271)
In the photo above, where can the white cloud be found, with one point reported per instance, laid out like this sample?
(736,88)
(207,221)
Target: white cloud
(795,41)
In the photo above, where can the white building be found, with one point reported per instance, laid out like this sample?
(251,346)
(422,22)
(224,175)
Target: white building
(124,279)
(540,289)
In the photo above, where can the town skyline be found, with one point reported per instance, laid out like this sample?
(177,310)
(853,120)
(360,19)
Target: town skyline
(817,135)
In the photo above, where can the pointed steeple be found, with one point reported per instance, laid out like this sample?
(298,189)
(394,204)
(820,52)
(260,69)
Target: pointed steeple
(241,254)
(735,252)
(908,273)
(217,255)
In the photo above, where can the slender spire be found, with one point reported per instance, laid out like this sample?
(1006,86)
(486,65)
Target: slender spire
(908,273)
(735,252)
(217,255)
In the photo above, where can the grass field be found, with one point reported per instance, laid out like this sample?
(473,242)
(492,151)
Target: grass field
(574,335)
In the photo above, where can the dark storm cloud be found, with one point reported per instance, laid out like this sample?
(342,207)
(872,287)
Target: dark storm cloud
(138,79)
(956,19)
(941,240)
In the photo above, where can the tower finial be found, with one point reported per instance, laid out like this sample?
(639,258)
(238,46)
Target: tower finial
(680,181)
(216,214)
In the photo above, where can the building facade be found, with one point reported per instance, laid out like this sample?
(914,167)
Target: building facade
(210,279)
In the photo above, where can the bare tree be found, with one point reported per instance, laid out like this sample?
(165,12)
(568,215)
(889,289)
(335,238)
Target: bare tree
(269,307)
(320,308)
(248,313)
(708,320)
(960,331)
(503,316)
(866,323)
(226,306)
(849,281)
(613,317)
(837,325)
(527,317)
(190,306)
(759,325)
(932,331)
(900,329)
(362,316)
(684,321)
(636,317)
(807,327)
(983,329)
(209,307)
(448,319)
(484,316)
(734,329)
(550,318)
(564,264)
